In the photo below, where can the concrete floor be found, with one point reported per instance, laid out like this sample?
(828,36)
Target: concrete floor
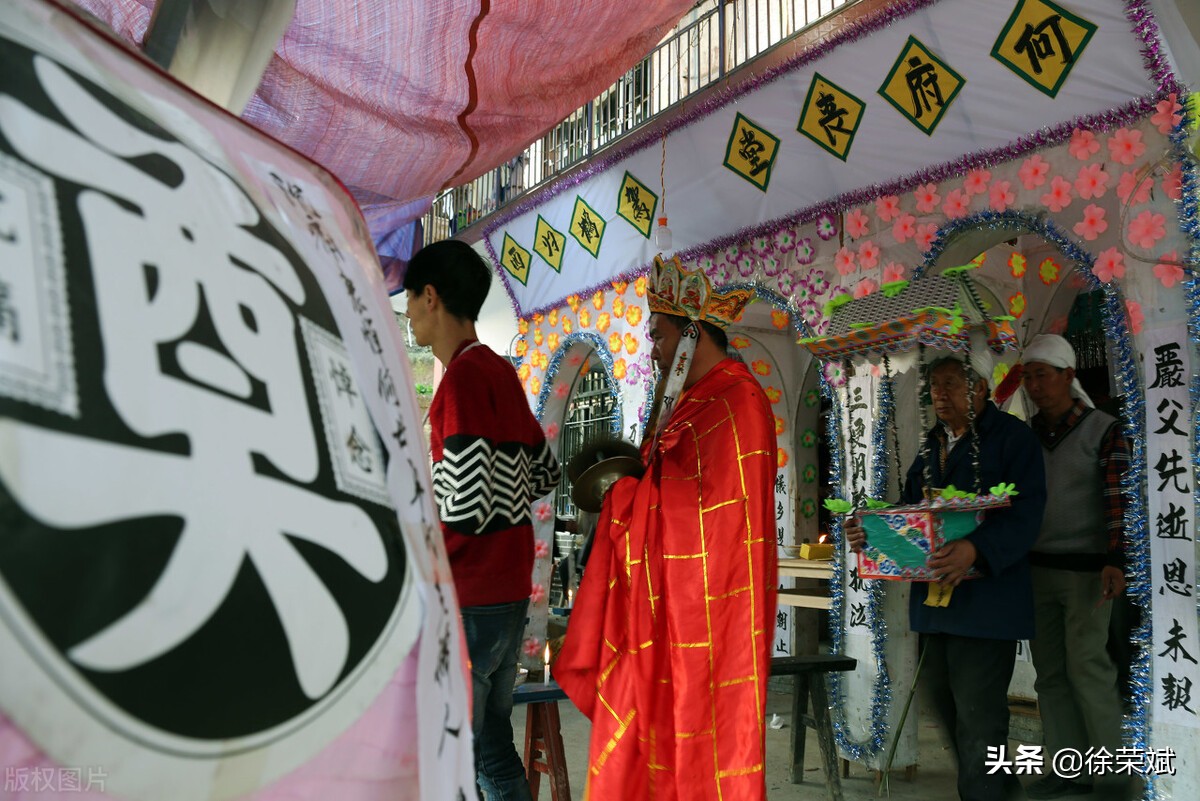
(933,779)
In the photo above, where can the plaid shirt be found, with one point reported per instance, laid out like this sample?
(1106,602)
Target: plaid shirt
(1114,460)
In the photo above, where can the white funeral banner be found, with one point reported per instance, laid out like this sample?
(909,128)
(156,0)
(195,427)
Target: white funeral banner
(861,402)
(1167,371)
(915,86)
(220,568)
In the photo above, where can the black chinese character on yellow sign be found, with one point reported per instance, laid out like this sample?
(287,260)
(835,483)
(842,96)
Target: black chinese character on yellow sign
(1042,42)
(751,152)
(515,259)
(921,86)
(587,226)
(637,203)
(830,116)
(548,243)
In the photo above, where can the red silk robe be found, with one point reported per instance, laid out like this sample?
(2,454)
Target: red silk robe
(669,644)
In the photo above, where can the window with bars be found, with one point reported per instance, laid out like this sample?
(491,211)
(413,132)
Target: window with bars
(591,413)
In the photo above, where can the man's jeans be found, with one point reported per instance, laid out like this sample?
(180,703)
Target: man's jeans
(493,638)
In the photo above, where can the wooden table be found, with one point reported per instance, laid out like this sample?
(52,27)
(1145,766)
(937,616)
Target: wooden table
(808,597)
(544,751)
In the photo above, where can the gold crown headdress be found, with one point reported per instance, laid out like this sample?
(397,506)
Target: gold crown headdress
(688,293)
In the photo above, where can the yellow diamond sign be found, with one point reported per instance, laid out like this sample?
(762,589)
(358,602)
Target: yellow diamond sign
(830,116)
(1042,42)
(515,259)
(637,204)
(587,226)
(548,243)
(921,86)
(751,151)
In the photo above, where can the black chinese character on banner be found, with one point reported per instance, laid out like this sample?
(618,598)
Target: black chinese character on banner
(1168,368)
(1174,644)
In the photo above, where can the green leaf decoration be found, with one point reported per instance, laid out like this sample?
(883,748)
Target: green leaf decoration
(862,325)
(838,506)
(894,288)
(950,272)
(932,309)
(1004,490)
(951,492)
(1007,317)
(956,320)
(837,303)
(806,340)
(872,503)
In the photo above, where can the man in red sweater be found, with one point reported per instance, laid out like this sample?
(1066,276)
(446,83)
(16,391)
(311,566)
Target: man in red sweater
(490,462)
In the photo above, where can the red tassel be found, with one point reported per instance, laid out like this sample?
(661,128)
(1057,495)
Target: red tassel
(1009,385)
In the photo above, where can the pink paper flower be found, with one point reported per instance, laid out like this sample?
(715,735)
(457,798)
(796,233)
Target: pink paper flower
(1173,183)
(1059,196)
(785,240)
(1083,144)
(543,511)
(771,266)
(1146,229)
(1125,146)
(893,272)
(887,207)
(805,251)
(844,261)
(1167,115)
(826,227)
(865,287)
(541,549)
(1001,196)
(926,233)
(977,182)
(1136,319)
(762,246)
(1110,264)
(561,391)
(745,265)
(957,203)
(868,255)
(1093,223)
(552,432)
(927,198)
(532,646)
(1167,272)
(1092,181)
(904,227)
(1125,188)
(1033,172)
(786,283)
(857,224)
(537,595)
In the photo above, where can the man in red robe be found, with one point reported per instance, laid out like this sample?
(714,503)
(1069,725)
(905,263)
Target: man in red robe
(668,650)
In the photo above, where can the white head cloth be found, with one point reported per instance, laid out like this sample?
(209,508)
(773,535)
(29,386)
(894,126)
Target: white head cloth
(982,361)
(1055,351)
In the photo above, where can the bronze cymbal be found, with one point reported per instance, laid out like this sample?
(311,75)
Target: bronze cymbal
(589,489)
(597,451)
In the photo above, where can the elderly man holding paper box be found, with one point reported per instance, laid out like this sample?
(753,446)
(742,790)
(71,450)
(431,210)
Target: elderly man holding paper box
(969,629)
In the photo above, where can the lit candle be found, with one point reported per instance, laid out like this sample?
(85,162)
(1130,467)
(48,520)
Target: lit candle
(570,598)
(546,672)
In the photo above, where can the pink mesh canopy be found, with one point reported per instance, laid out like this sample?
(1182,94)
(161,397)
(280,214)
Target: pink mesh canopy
(402,99)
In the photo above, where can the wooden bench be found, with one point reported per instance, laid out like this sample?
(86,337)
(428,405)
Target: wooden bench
(543,738)
(808,674)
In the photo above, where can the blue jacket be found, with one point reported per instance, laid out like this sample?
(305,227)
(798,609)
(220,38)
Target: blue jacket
(999,605)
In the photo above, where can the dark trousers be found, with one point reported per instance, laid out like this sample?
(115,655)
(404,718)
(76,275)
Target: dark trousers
(966,680)
(493,635)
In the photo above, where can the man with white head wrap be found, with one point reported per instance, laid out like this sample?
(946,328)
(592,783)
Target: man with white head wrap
(969,632)
(1077,561)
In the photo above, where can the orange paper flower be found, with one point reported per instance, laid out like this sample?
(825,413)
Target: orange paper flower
(523,326)
(585,318)
(739,342)
(552,341)
(781,457)
(631,344)
(538,339)
(614,343)
(633,314)
(553,318)
(773,394)
(619,369)
(598,299)
(568,326)
(618,308)
(761,367)
(620,286)
(779,319)
(639,286)
(602,322)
